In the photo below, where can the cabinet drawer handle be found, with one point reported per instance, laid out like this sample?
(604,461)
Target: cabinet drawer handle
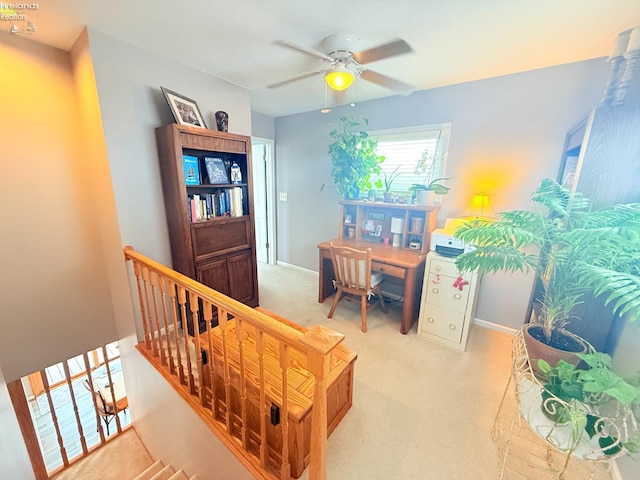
(435,290)
(452,326)
(430,320)
(438,268)
(458,296)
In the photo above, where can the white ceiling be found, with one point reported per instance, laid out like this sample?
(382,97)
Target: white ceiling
(453,40)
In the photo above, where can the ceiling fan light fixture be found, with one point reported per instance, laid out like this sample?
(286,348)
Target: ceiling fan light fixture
(340,78)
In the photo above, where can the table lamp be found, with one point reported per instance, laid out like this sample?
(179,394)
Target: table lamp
(397,226)
(479,207)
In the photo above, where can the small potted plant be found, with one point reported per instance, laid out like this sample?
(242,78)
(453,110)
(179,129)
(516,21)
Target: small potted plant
(353,158)
(424,194)
(572,250)
(595,401)
(388,182)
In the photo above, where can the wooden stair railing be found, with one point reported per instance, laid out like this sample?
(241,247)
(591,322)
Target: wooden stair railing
(66,417)
(226,372)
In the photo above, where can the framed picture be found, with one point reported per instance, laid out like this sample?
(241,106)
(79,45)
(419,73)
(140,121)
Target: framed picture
(216,170)
(185,110)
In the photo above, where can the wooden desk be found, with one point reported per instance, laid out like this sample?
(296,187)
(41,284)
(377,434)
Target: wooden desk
(405,265)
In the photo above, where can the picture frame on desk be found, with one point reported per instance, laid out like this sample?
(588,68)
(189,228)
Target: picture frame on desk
(185,111)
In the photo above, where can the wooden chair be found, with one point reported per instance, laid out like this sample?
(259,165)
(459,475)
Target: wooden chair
(106,410)
(352,269)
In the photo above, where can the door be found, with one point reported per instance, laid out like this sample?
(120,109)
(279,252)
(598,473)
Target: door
(241,281)
(215,275)
(263,192)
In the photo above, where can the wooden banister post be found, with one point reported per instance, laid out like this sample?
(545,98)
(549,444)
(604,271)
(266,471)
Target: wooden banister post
(23,414)
(321,342)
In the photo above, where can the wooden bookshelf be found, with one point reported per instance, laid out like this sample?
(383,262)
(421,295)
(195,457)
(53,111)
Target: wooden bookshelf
(218,250)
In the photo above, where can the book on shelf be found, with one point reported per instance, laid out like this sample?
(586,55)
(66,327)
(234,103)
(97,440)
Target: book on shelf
(236,202)
(209,205)
(191,170)
(219,203)
(193,211)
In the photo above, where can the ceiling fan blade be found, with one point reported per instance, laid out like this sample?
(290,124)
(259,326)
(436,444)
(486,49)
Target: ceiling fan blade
(388,82)
(386,50)
(294,79)
(303,49)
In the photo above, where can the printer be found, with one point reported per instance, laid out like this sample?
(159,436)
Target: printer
(444,243)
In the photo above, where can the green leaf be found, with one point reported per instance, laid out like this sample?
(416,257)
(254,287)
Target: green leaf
(544,366)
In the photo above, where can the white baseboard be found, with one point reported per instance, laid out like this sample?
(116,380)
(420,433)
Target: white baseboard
(296,267)
(494,326)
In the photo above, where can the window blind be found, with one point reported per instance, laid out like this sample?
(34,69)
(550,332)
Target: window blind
(418,154)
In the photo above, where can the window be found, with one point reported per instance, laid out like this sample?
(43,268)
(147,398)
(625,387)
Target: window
(418,154)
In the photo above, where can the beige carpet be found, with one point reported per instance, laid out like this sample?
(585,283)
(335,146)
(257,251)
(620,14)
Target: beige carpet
(420,410)
(122,458)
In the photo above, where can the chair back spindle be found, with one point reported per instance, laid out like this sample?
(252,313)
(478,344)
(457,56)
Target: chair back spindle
(352,269)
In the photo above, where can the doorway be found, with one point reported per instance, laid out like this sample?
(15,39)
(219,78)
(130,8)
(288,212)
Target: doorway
(263,167)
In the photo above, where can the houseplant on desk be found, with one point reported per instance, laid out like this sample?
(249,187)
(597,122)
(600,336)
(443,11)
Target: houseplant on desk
(423,192)
(572,250)
(388,182)
(353,158)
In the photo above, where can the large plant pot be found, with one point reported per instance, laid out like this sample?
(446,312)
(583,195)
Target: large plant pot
(425,197)
(538,349)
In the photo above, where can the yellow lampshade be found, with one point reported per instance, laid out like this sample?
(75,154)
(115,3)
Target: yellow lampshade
(478,207)
(340,78)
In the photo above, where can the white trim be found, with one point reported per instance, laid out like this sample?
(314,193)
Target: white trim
(295,267)
(494,326)
(415,128)
(270,194)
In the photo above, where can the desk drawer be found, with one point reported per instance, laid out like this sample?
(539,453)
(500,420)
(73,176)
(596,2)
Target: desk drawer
(445,294)
(444,267)
(442,323)
(390,270)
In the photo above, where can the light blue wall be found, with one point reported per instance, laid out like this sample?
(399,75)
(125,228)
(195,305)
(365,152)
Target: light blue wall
(511,126)
(263,126)
(128,79)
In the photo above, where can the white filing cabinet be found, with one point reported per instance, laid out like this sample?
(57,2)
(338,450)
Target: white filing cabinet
(448,304)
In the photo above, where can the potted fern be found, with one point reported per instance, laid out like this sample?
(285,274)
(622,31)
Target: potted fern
(353,158)
(573,250)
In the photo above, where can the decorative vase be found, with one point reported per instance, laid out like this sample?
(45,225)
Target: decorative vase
(222,121)
(388,197)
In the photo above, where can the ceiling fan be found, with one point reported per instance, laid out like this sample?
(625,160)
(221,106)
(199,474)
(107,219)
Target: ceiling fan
(344,62)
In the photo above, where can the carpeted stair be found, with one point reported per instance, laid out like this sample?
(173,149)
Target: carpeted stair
(159,471)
